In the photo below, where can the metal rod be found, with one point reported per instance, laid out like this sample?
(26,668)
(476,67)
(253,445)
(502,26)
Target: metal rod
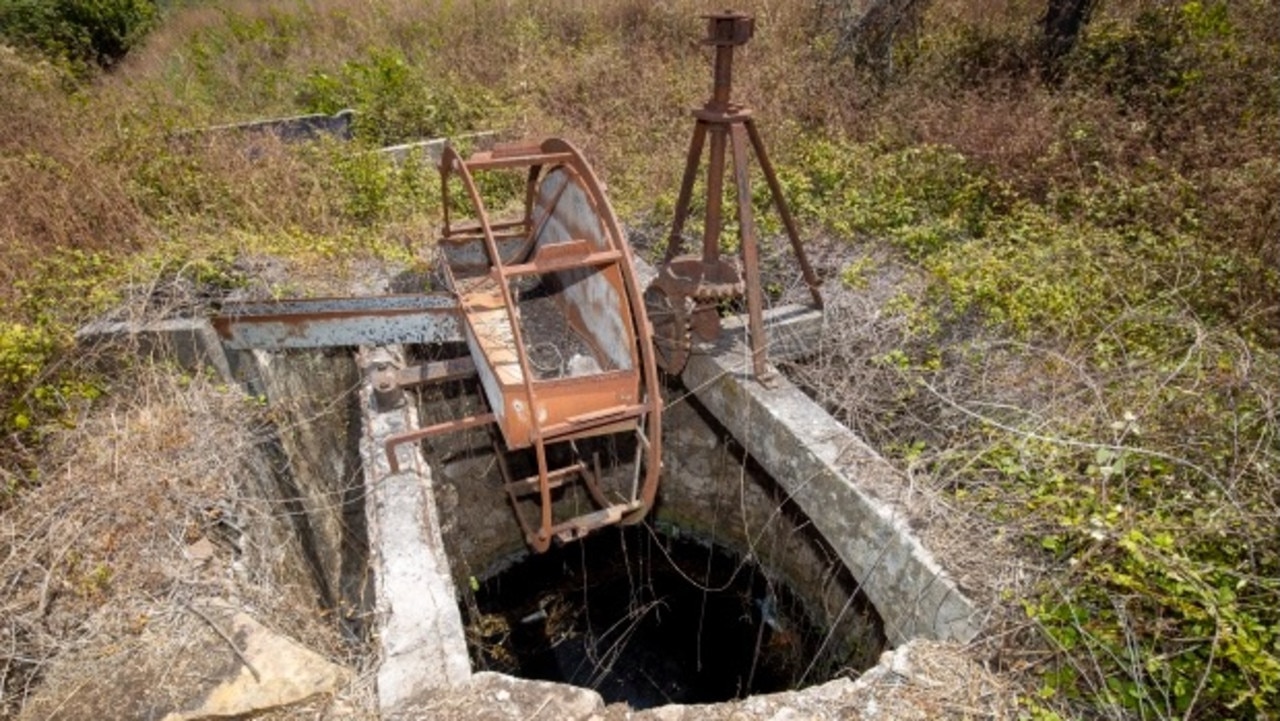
(462,424)
(780,201)
(722,85)
(543,540)
(675,243)
(715,195)
(750,253)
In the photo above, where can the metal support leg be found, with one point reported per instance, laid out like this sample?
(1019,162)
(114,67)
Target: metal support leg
(715,196)
(675,243)
(750,256)
(766,167)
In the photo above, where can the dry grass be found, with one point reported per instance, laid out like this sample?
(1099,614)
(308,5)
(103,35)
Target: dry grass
(931,680)
(57,192)
(100,552)
(981,434)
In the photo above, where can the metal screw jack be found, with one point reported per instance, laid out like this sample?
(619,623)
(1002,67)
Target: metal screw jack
(693,285)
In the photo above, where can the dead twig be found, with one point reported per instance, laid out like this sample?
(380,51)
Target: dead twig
(218,630)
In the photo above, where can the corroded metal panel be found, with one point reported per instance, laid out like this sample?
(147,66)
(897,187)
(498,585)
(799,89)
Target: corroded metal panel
(328,322)
(595,296)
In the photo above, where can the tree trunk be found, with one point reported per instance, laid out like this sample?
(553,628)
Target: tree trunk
(868,36)
(1062,23)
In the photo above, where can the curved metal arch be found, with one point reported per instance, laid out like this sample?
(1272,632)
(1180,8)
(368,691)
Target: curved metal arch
(647,414)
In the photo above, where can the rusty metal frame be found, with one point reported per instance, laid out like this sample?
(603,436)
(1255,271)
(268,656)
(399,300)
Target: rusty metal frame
(555,410)
(620,399)
(330,322)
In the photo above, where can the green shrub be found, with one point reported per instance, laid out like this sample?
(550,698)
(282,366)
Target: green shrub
(37,388)
(24,351)
(1168,607)
(921,198)
(394,100)
(79,32)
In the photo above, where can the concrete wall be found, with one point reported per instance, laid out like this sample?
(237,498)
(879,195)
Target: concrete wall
(851,494)
(304,484)
(713,490)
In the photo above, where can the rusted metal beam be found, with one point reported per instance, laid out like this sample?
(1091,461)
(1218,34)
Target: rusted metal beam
(555,479)
(439,429)
(436,372)
(389,381)
(485,161)
(329,322)
(542,266)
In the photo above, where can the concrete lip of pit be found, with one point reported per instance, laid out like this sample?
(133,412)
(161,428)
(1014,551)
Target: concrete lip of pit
(843,485)
(419,630)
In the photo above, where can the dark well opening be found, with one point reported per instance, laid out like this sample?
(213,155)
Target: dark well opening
(650,618)
(727,589)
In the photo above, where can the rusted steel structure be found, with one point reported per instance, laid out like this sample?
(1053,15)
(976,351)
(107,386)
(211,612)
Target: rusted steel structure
(335,322)
(683,300)
(551,310)
(562,338)
(554,317)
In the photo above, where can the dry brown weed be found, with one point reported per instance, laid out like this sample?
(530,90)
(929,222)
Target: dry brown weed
(124,530)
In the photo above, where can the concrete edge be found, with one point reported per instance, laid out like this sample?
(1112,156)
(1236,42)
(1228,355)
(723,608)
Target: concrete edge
(419,631)
(846,489)
(192,343)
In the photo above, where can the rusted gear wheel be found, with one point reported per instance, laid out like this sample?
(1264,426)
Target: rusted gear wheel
(705,321)
(703,280)
(669,315)
(706,283)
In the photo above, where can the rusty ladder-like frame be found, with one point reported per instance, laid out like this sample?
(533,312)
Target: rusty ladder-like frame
(535,413)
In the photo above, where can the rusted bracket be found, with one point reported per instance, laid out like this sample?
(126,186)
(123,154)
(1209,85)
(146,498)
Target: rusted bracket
(389,381)
(439,429)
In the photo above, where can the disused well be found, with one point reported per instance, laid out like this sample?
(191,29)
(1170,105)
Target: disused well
(626,613)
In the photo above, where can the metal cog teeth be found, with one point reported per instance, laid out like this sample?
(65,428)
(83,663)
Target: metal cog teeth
(670,315)
(702,280)
(720,291)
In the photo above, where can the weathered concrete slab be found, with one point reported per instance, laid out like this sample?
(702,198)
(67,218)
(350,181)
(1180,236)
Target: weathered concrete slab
(428,151)
(274,671)
(919,681)
(294,129)
(793,331)
(844,487)
(497,697)
(190,342)
(419,627)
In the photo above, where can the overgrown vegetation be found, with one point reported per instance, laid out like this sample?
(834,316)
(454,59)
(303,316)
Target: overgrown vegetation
(1092,358)
(77,33)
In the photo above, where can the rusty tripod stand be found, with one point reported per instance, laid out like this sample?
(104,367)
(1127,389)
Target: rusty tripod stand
(690,286)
